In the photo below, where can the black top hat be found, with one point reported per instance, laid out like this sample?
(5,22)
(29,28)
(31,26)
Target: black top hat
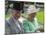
(18,5)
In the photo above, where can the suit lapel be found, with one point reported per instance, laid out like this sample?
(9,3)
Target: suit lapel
(15,24)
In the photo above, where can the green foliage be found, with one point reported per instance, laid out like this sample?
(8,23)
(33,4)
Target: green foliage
(40,16)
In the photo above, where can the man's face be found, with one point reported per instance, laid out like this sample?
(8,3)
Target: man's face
(16,13)
(31,16)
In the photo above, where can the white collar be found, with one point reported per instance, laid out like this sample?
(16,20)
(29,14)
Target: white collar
(17,23)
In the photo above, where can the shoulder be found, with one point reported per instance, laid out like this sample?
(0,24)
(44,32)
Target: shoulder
(26,22)
(11,21)
(7,23)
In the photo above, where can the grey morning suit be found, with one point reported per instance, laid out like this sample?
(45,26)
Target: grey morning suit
(13,27)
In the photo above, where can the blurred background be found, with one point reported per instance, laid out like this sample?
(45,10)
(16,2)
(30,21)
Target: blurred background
(40,13)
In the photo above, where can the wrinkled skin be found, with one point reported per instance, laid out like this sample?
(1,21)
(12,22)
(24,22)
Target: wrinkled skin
(31,16)
(16,14)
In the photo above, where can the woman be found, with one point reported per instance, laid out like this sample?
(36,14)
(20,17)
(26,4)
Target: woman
(31,24)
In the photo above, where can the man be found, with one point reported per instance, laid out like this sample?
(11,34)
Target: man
(15,27)
(31,24)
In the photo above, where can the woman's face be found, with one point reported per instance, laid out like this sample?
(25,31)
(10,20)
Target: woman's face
(31,16)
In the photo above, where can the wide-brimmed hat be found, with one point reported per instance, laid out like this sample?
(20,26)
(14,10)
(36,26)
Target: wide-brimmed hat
(32,9)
